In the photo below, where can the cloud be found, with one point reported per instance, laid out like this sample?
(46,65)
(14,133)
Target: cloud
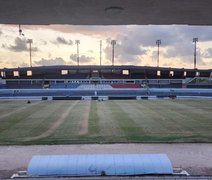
(4,46)
(63,41)
(125,51)
(23,64)
(1,32)
(135,44)
(83,59)
(176,41)
(179,50)
(14,62)
(147,35)
(203,33)
(43,42)
(90,51)
(89,30)
(184,52)
(168,34)
(20,45)
(207,53)
(47,62)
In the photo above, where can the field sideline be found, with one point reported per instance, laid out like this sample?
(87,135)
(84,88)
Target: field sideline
(73,122)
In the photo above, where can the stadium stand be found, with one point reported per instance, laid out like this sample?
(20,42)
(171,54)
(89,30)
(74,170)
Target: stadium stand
(2,84)
(103,77)
(200,82)
(12,84)
(115,76)
(64,85)
(95,86)
(126,85)
(78,76)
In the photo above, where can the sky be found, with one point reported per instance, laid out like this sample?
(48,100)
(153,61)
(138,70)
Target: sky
(135,45)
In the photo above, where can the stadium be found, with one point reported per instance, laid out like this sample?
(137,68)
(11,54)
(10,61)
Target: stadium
(102,105)
(104,121)
(107,81)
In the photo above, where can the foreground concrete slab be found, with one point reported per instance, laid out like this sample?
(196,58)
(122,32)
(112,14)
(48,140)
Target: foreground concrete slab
(195,158)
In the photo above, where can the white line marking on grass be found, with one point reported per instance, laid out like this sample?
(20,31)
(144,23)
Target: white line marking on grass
(55,125)
(109,126)
(85,117)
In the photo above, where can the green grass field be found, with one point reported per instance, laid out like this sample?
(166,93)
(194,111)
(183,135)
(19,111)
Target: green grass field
(66,122)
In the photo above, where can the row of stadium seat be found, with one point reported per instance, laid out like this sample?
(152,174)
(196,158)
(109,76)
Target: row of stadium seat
(20,86)
(165,85)
(126,85)
(64,85)
(115,76)
(92,86)
(2,86)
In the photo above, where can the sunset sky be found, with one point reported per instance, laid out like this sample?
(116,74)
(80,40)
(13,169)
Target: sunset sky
(55,45)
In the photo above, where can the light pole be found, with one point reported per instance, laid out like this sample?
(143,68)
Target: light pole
(113,42)
(30,51)
(100,55)
(77,42)
(158,42)
(195,40)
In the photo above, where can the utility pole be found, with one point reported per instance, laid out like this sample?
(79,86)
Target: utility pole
(158,42)
(195,40)
(113,42)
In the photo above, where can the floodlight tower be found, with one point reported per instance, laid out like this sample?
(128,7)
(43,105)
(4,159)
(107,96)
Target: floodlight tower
(195,40)
(30,51)
(113,42)
(158,42)
(77,42)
